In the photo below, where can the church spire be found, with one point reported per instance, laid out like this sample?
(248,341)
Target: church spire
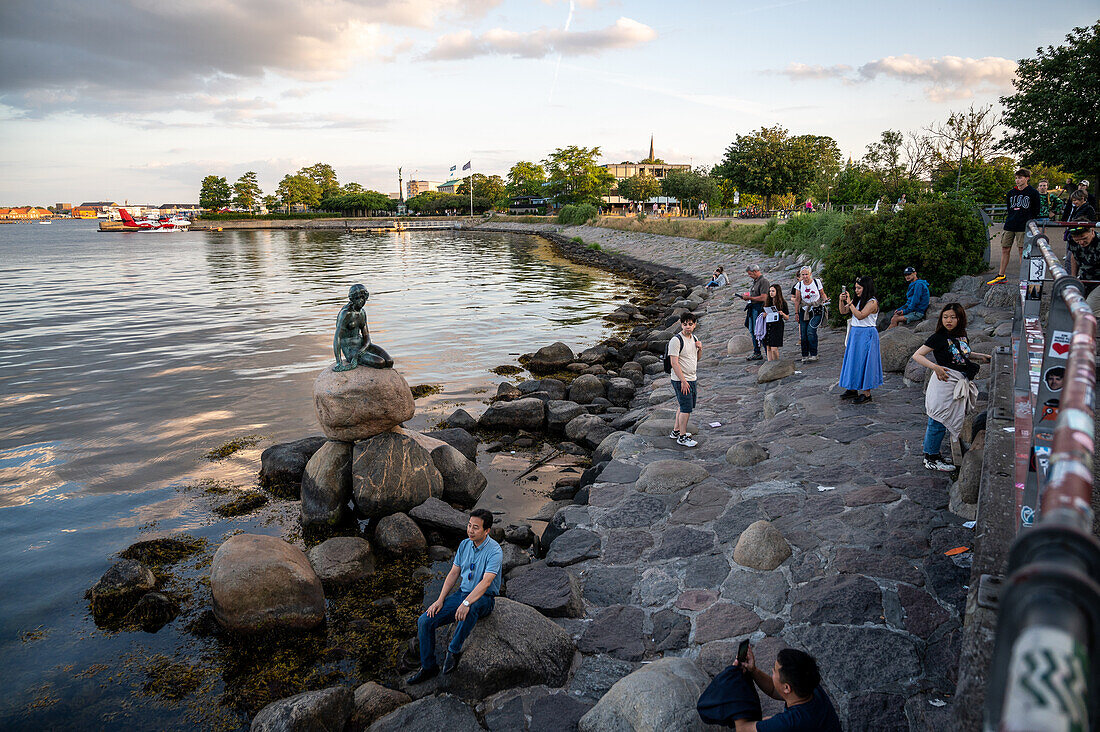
(651,147)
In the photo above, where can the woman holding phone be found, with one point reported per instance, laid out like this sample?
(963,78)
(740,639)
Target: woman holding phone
(862,367)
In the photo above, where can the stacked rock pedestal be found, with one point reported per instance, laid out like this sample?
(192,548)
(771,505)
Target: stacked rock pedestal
(369,462)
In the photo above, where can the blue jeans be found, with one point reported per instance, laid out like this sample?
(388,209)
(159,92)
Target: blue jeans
(425,626)
(754,309)
(808,331)
(933,437)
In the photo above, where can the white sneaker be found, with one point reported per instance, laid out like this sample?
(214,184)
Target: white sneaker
(810,359)
(674,435)
(937,464)
(686,441)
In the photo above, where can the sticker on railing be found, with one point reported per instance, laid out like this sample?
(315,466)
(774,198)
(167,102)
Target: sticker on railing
(1037,272)
(1048,684)
(1059,344)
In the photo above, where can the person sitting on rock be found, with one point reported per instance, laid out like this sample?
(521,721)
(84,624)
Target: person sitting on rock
(351,344)
(796,682)
(477,567)
(916,301)
(718,279)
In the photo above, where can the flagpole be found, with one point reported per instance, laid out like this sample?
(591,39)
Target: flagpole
(471,192)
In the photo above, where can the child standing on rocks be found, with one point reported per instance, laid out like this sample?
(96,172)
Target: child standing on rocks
(683,351)
(773,335)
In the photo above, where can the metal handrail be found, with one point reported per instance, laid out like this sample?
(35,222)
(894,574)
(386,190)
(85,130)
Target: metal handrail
(1048,629)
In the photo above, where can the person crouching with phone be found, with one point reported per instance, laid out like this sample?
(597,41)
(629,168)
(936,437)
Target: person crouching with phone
(795,681)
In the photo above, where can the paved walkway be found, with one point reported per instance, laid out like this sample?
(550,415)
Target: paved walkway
(868,588)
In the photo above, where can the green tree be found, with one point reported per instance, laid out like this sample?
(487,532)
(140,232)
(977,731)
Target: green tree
(769,162)
(215,192)
(324,176)
(246,191)
(854,185)
(526,179)
(639,188)
(354,188)
(299,189)
(270,202)
(1054,112)
(488,187)
(574,176)
(692,186)
(984,182)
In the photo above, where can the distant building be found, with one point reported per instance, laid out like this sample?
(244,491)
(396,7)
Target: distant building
(175,209)
(93,209)
(645,167)
(528,205)
(24,213)
(450,186)
(63,208)
(416,187)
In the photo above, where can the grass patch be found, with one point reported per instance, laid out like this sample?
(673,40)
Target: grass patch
(171,680)
(809,234)
(593,246)
(162,552)
(248,502)
(423,390)
(35,634)
(227,449)
(742,235)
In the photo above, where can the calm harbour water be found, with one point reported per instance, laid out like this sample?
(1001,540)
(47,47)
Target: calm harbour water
(124,357)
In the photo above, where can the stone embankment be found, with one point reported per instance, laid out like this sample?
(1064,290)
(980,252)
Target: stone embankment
(798,520)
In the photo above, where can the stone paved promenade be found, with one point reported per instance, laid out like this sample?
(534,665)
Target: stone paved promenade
(867,588)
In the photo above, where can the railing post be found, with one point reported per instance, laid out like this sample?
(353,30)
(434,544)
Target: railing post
(1048,627)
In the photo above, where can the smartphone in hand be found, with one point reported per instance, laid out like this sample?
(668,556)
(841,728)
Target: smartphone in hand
(743,651)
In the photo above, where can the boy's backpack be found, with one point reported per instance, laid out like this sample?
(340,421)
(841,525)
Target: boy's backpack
(668,359)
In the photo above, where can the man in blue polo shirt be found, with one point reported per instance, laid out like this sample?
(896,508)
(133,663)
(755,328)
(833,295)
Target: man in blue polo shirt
(476,568)
(916,300)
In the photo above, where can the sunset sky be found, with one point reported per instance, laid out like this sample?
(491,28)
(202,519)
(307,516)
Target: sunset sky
(139,99)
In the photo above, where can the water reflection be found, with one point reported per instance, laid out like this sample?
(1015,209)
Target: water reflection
(129,355)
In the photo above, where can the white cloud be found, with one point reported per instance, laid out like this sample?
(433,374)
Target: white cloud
(625,33)
(946,77)
(806,71)
(61,55)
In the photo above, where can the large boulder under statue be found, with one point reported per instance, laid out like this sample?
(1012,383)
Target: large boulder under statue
(391,472)
(262,583)
(361,403)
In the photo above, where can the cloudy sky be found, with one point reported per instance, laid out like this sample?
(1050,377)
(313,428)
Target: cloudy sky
(139,99)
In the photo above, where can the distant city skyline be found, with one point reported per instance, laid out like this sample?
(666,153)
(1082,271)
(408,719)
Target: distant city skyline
(127,100)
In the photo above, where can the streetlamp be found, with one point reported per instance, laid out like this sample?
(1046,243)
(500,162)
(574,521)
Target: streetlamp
(958,178)
(827,189)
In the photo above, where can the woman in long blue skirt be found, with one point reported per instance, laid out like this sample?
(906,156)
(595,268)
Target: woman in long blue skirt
(862,367)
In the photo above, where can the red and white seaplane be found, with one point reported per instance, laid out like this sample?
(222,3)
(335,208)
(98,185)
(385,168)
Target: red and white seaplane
(165,224)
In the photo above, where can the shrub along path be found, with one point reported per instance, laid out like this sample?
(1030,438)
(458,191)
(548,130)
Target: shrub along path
(867,587)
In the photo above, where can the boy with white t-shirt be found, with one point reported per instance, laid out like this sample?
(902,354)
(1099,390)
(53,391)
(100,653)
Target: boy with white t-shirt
(683,351)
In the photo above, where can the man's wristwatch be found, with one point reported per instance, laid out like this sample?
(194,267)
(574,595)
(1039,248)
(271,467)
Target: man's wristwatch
(466,603)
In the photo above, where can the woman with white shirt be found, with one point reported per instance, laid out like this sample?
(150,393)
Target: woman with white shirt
(808,295)
(862,367)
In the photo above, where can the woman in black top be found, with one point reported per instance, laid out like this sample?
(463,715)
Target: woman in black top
(773,331)
(953,360)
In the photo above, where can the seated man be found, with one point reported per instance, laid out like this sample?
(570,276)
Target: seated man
(478,561)
(916,300)
(796,682)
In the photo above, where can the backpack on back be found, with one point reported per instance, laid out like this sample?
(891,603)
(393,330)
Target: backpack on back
(668,359)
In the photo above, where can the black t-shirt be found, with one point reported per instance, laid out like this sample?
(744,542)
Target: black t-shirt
(816,715)
(1022,206)
(952,353)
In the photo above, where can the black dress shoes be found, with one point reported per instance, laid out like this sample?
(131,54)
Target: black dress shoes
(849,394)
(450,663)
(422,675)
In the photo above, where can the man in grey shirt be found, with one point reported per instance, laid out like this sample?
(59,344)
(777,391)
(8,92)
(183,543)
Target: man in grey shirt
(757,293)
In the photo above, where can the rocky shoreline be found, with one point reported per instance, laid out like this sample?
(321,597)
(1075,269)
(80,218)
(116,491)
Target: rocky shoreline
(798,520)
